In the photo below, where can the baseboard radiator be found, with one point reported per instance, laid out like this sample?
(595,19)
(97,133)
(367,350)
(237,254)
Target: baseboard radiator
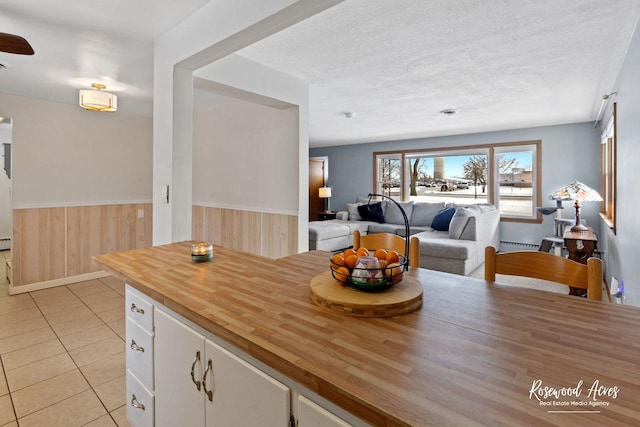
(506,246)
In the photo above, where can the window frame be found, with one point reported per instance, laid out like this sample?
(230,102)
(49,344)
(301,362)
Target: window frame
(608,170)
(492,150)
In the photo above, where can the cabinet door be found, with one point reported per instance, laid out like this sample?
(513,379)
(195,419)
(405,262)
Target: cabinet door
(178,400)
(312,415)
(240,394)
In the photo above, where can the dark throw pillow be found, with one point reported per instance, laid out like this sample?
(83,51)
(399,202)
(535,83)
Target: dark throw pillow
(442,219)
(372,212)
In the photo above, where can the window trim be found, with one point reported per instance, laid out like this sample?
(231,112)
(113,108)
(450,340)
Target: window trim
(608,169)
(465,149)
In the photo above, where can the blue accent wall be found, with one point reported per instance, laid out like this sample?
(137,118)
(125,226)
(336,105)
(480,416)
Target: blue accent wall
(569,152)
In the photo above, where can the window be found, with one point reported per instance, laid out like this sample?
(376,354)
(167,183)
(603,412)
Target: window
(608,172)
(388,176)
(516,192)
(447,176)
(505,174)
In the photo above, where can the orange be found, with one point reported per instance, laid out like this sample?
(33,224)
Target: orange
(381,254)
(362,252)
(337,261)
(348,252)
(351,261)
(382,263)
(393,256)
(395,272)
(341,274)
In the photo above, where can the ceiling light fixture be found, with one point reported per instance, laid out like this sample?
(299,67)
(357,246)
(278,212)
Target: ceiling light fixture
(449,112)
(97,100)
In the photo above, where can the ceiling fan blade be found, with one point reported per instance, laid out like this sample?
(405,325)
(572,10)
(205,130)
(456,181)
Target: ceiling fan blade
(15,44)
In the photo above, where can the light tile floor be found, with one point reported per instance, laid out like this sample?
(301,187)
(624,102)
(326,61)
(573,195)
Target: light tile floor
(62,355)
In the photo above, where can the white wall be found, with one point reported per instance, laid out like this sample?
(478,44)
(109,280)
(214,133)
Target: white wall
(239,150)
(63,155)
(622,247)
(5,189)
(213,32)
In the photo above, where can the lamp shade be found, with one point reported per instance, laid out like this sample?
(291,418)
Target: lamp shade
(324,192)
(576,191)
(580,193)
(97,100)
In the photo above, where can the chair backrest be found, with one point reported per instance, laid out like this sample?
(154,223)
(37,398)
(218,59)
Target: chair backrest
(546,266)
(389,241)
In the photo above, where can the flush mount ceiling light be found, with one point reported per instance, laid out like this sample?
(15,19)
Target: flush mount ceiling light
(97,100)
(449,112)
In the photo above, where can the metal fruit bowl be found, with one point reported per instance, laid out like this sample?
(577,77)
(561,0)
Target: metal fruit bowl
(368,276)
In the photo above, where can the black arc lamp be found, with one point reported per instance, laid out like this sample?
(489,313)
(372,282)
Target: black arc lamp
(406,225)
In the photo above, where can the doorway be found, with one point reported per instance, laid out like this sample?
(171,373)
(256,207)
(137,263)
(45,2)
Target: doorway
(318,173)
(5,204)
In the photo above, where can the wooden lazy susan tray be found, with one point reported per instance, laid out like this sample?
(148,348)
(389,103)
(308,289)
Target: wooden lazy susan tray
(402,298)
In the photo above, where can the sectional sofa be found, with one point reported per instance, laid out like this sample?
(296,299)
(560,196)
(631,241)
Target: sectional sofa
(452,237)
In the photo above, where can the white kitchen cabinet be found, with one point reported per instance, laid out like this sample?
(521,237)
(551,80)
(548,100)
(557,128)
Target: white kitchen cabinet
(139,357)
(167,359)
(199,383)
(311,414)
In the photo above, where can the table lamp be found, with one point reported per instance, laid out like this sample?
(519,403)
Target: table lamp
(325,193)
(580,193)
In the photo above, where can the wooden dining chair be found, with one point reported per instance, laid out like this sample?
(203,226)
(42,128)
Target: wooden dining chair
(389,241)
(546,266)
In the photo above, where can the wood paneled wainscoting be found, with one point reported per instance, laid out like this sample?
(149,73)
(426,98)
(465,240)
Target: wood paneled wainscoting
(272,235)
(55,246)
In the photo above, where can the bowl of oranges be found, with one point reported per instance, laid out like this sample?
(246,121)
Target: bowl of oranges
(368,270)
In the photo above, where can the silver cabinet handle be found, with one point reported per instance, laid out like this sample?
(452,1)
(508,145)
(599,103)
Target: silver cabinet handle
(193,367)
(135,403)
(209,393)
(136,347)
(136,309)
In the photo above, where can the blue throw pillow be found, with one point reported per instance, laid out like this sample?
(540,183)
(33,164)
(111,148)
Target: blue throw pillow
(372,212)
(442,219)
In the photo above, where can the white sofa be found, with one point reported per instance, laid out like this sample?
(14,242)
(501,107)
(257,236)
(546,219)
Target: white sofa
(458,250)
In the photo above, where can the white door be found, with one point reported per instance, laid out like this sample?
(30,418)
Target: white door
(178,348)
(312,415)
(240,394)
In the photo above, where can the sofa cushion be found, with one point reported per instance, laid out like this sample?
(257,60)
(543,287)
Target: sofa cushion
(394,216)
(423,213)
(322,230)
(372,212)
(442,219)
(352,209)
(386,228)
(460,222)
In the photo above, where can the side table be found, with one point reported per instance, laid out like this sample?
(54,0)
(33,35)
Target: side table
(581,245)
(323,216)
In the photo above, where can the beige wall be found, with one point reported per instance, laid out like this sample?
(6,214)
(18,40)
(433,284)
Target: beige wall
(244,182)
(64,155)
(81,185)
(244,156)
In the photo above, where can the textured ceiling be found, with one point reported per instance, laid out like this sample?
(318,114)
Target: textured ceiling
(394,63)
(502,64)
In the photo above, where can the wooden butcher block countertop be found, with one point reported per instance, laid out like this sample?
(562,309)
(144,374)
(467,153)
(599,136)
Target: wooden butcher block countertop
(475,353)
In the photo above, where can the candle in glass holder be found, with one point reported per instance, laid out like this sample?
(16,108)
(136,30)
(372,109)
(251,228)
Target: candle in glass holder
(201,252)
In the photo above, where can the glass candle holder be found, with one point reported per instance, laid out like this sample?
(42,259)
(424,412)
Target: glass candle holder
(201,252)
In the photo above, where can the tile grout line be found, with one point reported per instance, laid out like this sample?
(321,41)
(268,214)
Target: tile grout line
(13,407)
(72,359)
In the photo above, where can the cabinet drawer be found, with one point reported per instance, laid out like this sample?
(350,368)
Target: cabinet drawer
(139,309)
(140,403)
(139,348)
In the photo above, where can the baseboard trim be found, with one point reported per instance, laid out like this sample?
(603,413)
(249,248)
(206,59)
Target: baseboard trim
(38,286)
